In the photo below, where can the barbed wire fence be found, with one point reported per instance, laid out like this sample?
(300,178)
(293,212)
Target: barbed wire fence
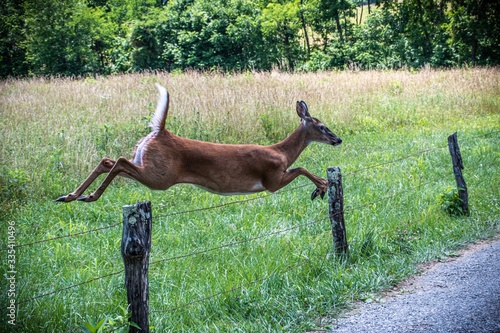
(198,252)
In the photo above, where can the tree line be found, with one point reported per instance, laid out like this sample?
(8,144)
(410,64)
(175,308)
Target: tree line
(100,37)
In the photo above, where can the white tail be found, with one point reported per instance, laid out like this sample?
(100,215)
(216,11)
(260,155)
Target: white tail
(163,159)
(158,121)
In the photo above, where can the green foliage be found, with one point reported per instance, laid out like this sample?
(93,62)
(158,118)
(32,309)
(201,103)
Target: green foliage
(119,324)
(331,19)
(378,43)
(280,26)
(474,32)
(58,46)
(84,37)
(13,184)
(90,327)
(12,38)
(210,35)
(450,202)
(318,61)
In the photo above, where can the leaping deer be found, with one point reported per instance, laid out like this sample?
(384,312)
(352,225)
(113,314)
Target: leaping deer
(163,159)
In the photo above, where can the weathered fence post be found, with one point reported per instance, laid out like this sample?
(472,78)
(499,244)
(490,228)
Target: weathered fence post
(135,248)
(336,211)
(458,166)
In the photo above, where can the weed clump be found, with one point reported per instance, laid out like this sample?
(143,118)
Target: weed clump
(13,184)
(450,202)
(13,187)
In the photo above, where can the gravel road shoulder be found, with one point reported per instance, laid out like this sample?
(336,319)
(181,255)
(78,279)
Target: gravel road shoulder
(459,295)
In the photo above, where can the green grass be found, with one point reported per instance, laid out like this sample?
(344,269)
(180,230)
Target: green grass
(281,275)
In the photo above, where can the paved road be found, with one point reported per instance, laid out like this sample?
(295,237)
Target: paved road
(461,295)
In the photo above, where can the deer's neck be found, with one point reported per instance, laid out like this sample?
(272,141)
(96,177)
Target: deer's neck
(294,144)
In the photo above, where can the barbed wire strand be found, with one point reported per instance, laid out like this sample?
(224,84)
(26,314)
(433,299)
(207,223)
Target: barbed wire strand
(231,244)
(69,287)
(213,207)
(263,196)
(421,152)
(64,236)
(484,135)
(202,299)
(418,153)
(261,280)
(162,260)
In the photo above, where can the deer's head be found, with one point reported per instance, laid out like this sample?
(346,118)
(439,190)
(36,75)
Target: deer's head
(316,130)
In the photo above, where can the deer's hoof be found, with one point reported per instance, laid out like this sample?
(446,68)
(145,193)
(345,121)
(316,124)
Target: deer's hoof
(82,198)
(317,192)
(62,199)
(66,198)
(86,198)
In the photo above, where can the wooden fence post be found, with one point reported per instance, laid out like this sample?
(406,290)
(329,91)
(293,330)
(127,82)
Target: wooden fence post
(458,166)
(336,211)
(135,248)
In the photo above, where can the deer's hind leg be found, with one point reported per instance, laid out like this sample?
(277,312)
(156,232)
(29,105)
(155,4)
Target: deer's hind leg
(122,167)
(104,166)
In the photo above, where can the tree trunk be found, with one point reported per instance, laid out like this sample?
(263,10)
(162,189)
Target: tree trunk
(361,15)
(339,26)
(304,27)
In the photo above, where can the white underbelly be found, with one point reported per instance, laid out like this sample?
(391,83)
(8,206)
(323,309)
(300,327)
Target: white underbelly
(257,187)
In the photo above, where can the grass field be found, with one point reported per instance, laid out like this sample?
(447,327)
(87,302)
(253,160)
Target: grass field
(280,275)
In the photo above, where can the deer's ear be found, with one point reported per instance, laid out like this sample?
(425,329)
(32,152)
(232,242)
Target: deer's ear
(302,110)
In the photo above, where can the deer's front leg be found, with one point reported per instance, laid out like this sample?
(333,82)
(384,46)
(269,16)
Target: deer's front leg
(321,184)
(289,175)
(104,166)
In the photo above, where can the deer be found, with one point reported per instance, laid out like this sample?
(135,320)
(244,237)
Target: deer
(163,159)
